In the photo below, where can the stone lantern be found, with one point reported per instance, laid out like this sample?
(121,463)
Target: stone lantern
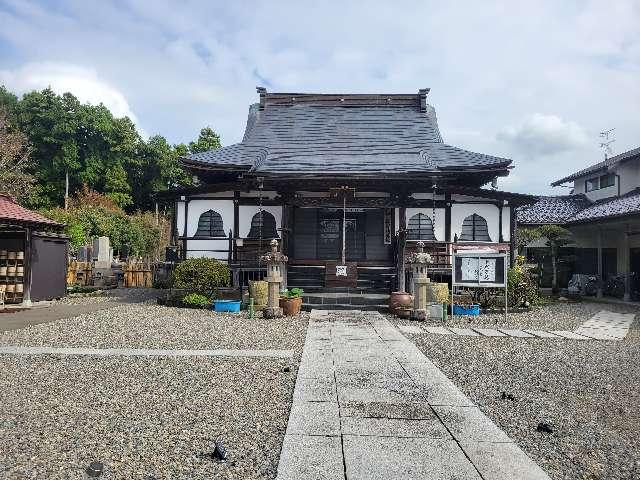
(275,263)
(419,262)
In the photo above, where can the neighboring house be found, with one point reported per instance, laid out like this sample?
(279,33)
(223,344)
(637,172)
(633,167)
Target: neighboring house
(603,215)
(334,175)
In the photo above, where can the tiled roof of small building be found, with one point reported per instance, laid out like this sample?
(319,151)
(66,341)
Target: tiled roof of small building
(309,133)
(11,212)
(628,204)
(552,210)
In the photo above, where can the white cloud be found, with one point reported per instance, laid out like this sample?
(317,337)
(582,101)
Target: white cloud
(184,68)
(544,135)
(61,78)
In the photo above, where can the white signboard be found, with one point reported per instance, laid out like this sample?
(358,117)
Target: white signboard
(341,270)
(478,269)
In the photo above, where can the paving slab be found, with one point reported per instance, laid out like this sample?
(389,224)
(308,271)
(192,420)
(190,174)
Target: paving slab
(385,458)
(438,330)
(601,334)
(469,423)
(410,329)
(542,334)
(395,427)
(569,335)
(516,333)
(311,457)
(313,418)
(315,390)
(411,411)
(464,331)
(489,332)
(500,461)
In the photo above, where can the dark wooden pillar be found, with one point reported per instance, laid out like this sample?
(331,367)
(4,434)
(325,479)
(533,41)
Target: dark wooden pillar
(402,237)
(236,223)
(26,296)
(447,217)
(500,235)
(600,276)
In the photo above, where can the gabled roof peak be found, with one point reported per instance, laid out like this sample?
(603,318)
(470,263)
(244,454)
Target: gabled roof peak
(417,100)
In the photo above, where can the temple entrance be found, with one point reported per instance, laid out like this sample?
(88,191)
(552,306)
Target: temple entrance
(330,234)
(317,235)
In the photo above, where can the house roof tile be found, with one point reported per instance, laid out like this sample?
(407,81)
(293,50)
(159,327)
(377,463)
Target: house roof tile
(11,212)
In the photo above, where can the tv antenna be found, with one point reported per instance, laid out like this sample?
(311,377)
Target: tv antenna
(605,144)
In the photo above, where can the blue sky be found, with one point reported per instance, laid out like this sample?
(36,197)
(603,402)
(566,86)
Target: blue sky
(533,81)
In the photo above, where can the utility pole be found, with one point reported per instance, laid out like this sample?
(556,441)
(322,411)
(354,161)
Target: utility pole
(66,190)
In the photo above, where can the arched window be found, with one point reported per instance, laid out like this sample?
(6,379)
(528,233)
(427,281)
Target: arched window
(210,225)
(420,227)
(265,224)
(474,228)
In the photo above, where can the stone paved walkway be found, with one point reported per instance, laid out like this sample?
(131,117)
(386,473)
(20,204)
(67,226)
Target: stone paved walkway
(604,325)
(369,405)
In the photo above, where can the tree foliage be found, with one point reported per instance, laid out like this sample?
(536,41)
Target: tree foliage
(95,149)
(14,160)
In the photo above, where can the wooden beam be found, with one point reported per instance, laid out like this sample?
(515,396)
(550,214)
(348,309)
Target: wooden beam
(447,217)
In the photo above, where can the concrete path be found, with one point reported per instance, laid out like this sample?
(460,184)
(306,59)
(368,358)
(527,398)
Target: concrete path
(606,325)
(369,405)
(143,352)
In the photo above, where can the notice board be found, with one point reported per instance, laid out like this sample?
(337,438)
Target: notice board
(479,269)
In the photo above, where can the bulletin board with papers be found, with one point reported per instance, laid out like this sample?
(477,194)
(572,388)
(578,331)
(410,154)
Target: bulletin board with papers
(480,269)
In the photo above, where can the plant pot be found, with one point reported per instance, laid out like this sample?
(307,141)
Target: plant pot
(259,291)
(398,300)
(291,306)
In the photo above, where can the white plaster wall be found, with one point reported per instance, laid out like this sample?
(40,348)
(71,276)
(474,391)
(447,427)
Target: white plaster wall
(248,211)
(202,248)
(629,176)
(180,218)
(506,223)
(439,227)
(459,211)
(198,207)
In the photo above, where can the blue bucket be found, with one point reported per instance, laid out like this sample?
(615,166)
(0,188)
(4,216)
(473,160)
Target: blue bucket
(226,305)
(470,310)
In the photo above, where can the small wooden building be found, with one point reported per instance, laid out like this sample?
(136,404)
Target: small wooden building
(33,254)
(343,179)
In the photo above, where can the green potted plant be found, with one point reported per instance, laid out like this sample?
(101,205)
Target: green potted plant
(291,301)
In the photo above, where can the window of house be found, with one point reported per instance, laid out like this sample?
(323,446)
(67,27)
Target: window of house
(263,224)
(475,229)
(210,225)
(420,227)
(592,184)
(608,180)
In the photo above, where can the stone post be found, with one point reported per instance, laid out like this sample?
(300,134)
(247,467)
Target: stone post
(420,283)
(275,263)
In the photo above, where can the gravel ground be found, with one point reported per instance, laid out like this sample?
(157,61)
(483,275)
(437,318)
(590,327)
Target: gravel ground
(147,418)
(124,295)
(588,391)
(155,326)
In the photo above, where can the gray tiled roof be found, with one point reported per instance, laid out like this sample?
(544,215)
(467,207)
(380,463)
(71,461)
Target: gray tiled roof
(323,133)
(552,210)
(628,204)
(578,209)
(599,166)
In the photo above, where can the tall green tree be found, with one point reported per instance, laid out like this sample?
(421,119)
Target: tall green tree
(207,140)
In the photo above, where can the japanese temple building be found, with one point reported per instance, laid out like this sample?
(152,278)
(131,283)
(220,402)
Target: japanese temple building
(343,178)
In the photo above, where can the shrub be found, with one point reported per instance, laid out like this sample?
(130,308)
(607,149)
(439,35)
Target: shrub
(196,300)
(201,275)
(522,288)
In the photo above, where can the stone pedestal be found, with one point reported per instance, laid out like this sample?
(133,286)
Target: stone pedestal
(275,264)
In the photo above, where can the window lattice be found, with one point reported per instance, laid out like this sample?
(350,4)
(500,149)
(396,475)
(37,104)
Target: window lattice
(265,223)
(210,225)
(420,227)
(475,229)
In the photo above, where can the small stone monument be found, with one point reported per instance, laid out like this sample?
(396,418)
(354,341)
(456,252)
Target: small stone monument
(102,252)
(419,262)
(275,263)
